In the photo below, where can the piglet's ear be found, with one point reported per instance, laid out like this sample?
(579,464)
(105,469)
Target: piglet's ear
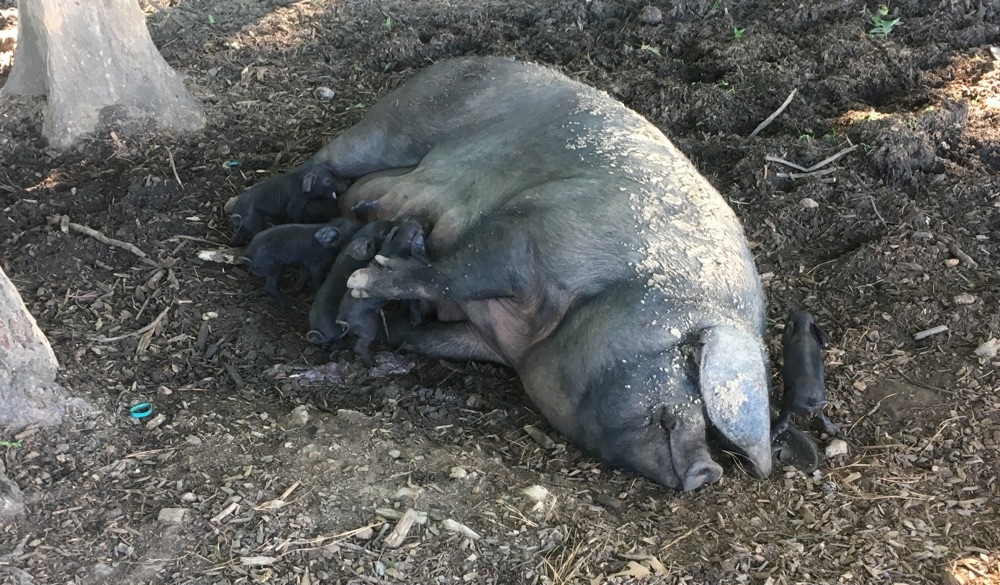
(418,249)
(821,336)
(361,249)
(328,236)
(237,220)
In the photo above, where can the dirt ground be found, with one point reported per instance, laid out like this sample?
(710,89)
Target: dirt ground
(893,238)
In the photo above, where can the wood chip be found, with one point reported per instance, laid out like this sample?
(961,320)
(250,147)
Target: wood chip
(453,526)
(543,440)
(402,529)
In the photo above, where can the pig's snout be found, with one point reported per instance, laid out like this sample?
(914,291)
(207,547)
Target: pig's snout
(328,334)
(700,473)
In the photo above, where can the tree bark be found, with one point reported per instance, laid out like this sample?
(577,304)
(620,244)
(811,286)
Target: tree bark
(97,64)
(28,392)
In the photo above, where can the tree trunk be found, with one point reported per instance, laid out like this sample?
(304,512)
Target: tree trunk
(97,64)
(28,392)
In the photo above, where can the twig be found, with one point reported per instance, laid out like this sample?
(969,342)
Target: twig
(877,214)
(816,166)
(817,174)
(152,325)
(928,332)
(173,167)
(776,113)
(870,412)
(65,224)
(937,434)
(682,537)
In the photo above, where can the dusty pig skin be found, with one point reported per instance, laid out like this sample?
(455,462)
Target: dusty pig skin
(587,253)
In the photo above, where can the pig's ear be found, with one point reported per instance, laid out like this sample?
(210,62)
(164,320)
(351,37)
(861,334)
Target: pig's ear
(734,388)
(418,249)
(821,336)
(237,220)
(318,181)
(328,236)
(361,249)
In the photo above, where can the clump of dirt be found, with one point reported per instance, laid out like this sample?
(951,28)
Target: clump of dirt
(229,482)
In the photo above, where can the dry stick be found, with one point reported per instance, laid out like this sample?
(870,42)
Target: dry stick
(776,113)
(816,166)
(105,239)
(152,325)
(173,167)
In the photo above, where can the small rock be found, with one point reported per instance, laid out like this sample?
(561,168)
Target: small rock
(188,497)
(11,497)
(536,492)
(808,203)
(952,262)
(325,93)
(873,335)
(193,440)
(989,349)
(394,453)
(171,515)
(828,487)
(365,533)
(964,299)
(836,448)
(299,416)
(458,472)
(651,15)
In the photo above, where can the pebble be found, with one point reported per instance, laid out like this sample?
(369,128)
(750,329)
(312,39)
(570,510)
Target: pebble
(299,416)
(365,533)
(536,492)
(651,15)
(951,262)
(189,497)
(171,515)
(964,299)
(808,203)
(325,93)
(394,453)
(836,448)
(458,472)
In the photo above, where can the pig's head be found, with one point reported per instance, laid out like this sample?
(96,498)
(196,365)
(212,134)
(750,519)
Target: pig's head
(246,224)
(800,326)
(319,181)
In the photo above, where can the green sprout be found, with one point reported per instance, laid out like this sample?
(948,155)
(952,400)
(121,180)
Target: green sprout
(738,33)
(10,444)
(211,19)
(388,22)
(881,26)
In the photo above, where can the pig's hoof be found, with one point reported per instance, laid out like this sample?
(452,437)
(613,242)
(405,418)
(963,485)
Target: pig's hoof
(360,279)
(701,473)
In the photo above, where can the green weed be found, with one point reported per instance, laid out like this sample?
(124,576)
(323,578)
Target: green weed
(881,26)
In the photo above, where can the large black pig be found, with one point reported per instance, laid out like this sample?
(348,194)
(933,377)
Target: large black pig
(587,252)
